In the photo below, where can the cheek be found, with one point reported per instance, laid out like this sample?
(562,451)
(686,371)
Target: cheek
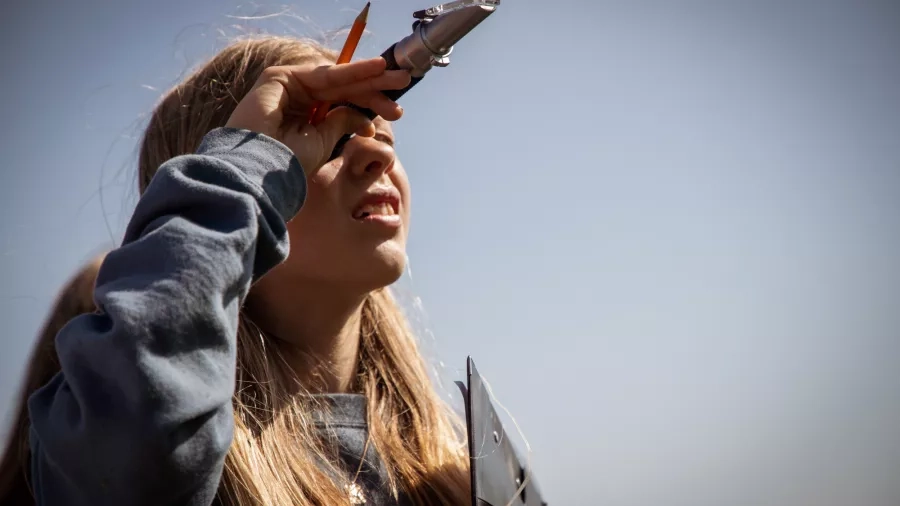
(320,201)
(401,181)
(313,226)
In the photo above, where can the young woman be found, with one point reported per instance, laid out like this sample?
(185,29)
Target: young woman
(247,350)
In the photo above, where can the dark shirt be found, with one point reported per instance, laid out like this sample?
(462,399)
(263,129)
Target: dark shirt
(347,422)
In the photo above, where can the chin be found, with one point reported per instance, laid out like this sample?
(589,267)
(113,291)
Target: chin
(386,265)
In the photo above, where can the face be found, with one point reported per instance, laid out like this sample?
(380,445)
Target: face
(353,227)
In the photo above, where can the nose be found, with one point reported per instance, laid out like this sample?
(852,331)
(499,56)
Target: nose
(368,157)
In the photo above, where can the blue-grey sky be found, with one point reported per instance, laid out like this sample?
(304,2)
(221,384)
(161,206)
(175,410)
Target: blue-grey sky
(668,231)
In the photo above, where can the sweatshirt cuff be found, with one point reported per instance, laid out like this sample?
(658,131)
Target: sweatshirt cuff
(264,161)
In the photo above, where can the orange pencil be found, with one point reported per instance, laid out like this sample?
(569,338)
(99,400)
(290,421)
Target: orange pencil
(320,109)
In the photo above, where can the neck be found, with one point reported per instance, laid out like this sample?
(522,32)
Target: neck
(317,332)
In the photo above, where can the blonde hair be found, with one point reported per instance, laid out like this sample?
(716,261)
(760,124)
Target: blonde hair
(75,298)
(277,456)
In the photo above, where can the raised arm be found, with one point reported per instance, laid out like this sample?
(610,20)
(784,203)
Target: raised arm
(141,411)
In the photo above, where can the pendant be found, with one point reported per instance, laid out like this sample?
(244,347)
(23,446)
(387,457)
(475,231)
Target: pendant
(356,494)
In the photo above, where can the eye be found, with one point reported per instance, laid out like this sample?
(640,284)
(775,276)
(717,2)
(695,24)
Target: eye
(385,138)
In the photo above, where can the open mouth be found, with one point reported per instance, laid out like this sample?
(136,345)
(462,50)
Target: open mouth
(376,209)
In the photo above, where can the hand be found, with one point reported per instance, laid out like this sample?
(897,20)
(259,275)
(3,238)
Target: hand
(279,103)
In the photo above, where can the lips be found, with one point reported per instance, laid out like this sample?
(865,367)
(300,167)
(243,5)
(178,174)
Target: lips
(379,209)
(380,202)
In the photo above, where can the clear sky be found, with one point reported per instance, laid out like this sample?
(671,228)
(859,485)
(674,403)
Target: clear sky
(667,231)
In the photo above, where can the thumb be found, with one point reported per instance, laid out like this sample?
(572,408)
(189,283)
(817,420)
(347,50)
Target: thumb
(343,121)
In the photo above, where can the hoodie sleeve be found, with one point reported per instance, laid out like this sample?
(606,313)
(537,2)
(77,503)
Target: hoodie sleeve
(141,413)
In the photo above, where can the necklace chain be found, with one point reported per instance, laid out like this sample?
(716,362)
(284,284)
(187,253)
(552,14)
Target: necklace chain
(353,489)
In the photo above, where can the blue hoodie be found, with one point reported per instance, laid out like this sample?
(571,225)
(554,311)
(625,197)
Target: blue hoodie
(141,412)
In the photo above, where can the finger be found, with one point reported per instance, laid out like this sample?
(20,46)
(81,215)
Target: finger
(333,76)
(344,121)
(390,80)
(379,104)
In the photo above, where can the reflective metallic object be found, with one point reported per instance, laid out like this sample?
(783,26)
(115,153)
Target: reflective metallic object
(435,32)
(497,472)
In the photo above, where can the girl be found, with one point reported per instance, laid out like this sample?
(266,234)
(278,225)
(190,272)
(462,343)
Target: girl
(247,350)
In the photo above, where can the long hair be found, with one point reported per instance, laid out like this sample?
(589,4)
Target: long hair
(277,456)
(75,298)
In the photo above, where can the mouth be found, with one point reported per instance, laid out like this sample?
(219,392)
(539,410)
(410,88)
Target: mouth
(381,205)
(374,209)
